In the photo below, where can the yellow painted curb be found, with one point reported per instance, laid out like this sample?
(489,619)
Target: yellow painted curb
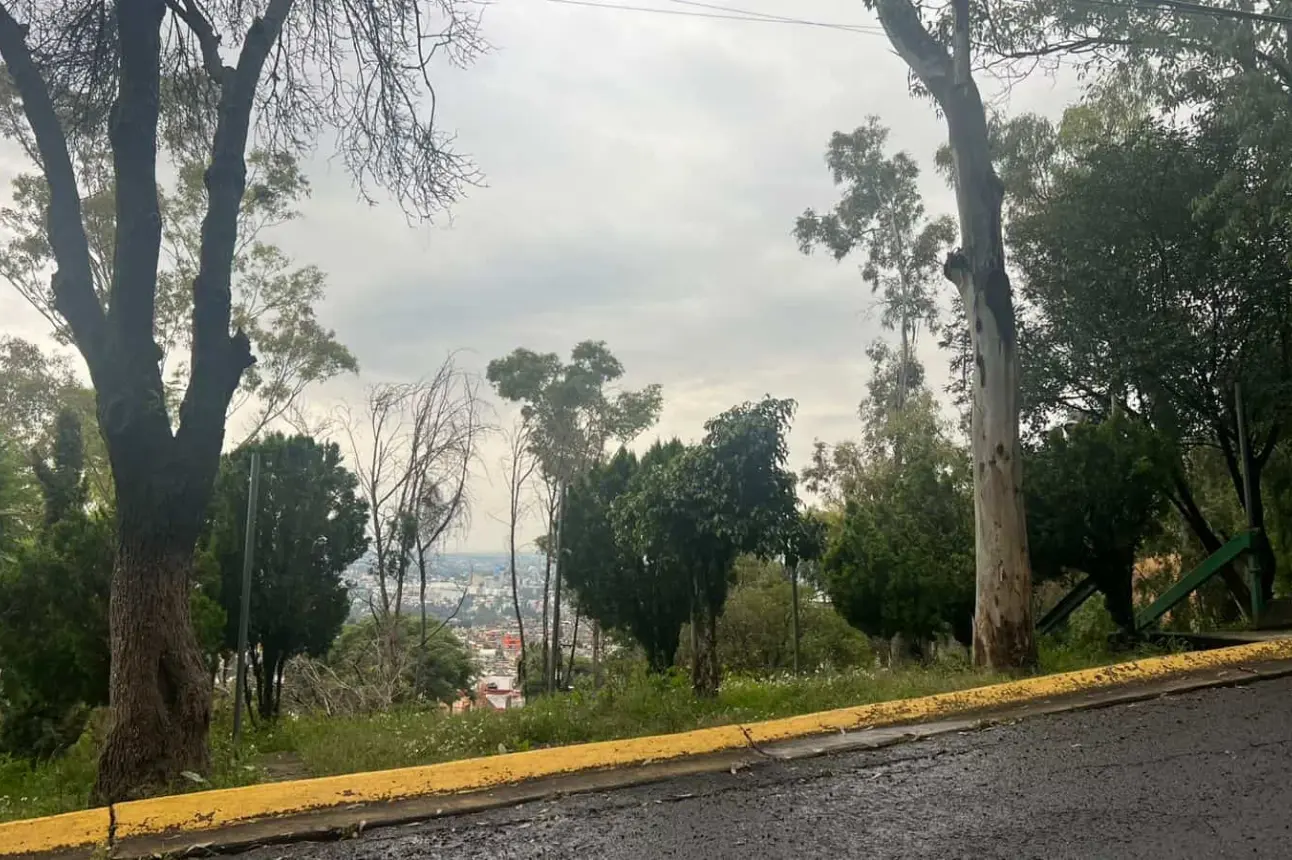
(1013,692)
(219,808)
(214,809)
(54,833)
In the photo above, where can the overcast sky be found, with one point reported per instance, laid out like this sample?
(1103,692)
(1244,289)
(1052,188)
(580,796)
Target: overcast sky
(643,174)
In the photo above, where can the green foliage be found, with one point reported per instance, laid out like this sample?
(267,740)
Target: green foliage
(900,559)
(62,477)
(35,388)
(309,529)
(640,594)
(19,500)
(54,610)
(1095,492)
(1157,284)
(274,301)
(755,630)
(571,413)
(378,665)
(209,617)
(882,213)
(707,505)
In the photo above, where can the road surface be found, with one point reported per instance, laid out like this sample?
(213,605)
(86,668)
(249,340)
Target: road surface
(1203,775)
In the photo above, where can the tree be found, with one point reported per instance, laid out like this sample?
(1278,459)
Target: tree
(62,476)
(35,387)
(900,558)
(309,529)
(1095,493)
(619,584)
(572,416)
(710,503)
(84,75)
(273,301)
(1003,631)
(413,446)
(53,609)
(881,213)
(756,633)
(1149,298)
(18,501)
(355,678)
(519,466)
(803,541)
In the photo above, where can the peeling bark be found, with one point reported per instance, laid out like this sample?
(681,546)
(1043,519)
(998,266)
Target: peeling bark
(1003,628)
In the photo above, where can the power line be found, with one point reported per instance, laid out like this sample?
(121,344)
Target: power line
(729,14)
(784,19)
(1189,8)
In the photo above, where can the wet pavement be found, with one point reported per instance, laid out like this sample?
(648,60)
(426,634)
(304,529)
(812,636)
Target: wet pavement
(1202,775)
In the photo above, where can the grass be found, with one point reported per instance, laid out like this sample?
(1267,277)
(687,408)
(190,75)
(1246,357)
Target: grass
(632,704)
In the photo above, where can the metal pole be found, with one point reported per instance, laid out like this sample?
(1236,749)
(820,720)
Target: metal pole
(1244,461)
(794,596)
(248,551)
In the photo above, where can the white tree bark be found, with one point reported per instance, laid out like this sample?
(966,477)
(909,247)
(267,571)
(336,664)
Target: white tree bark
(1003,628)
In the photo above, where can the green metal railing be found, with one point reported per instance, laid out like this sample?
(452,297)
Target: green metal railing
(1068,605)
(1194,580)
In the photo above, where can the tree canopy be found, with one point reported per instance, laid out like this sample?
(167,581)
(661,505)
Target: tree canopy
(1095,493)
(900,559)
(1147,292)
(639,593)
(54,607)
(882,213)
(309,529)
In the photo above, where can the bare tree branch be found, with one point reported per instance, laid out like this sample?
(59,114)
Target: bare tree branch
(73,282)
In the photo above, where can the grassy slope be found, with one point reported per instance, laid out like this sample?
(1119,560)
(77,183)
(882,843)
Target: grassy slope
(632,705)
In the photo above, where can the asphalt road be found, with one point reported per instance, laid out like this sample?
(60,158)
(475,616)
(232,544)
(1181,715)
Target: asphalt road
(1203,775)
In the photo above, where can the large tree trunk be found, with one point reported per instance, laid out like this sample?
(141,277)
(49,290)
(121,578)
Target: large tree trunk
(159,688)
(160,692)
(1003,629)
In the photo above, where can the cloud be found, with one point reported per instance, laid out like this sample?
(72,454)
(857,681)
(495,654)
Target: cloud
(643,174)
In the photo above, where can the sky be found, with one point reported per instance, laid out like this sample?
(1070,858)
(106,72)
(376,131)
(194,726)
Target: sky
(642,175)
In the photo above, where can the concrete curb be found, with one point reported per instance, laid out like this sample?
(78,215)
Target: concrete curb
(502,776)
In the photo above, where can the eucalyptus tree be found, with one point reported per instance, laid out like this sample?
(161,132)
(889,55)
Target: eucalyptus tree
(940,63)
(882,214)
(572,413)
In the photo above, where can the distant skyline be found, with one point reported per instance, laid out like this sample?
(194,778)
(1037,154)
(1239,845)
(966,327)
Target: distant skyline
(643,173)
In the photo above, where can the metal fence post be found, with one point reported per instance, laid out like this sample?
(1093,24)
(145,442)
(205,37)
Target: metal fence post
(244,613)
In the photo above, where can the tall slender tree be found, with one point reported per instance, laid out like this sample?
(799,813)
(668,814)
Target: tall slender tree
(882,214)
(85,72)
(1003,629)
(519,466)
(573,414)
